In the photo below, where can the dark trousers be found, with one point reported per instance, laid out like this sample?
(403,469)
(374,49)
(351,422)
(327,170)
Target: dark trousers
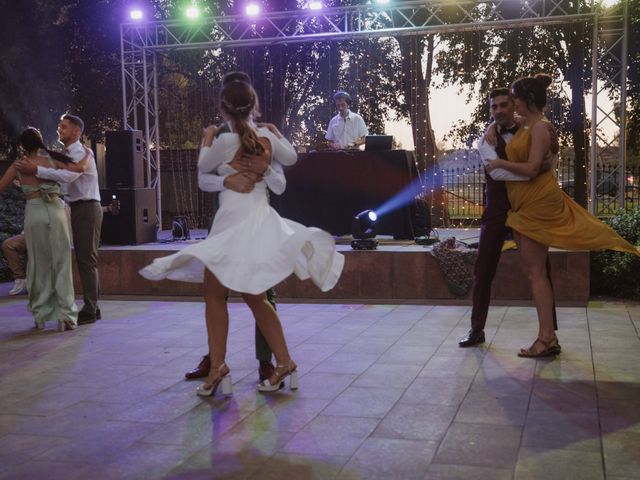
(492,235)
(86,223)
(263,351)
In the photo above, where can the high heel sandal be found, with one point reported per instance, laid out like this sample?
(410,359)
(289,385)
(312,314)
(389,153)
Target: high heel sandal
(66,325)
(208,389)
(281,372)
(551,348)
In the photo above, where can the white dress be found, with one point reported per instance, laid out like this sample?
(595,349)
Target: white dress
(250,247)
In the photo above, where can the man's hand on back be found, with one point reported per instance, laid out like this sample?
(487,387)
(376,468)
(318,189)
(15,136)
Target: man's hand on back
(240,183)
(26,166)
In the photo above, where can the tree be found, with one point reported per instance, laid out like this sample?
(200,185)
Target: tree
(633,80)
(497,57)
(416,85)
(32,69)
(60,56)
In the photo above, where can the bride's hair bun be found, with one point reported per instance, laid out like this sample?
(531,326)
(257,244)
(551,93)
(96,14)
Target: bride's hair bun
(544,79)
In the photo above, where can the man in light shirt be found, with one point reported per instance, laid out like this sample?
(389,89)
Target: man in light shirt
(346,129)
(82,193)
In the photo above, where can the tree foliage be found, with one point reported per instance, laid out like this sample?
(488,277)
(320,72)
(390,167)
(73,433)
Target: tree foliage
(295,82)
(615,273)
(59,56)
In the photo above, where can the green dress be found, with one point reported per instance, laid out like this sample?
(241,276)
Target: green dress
(49,273)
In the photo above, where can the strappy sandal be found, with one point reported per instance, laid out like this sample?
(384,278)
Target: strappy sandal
(551,348)
(280,373)
(224,378)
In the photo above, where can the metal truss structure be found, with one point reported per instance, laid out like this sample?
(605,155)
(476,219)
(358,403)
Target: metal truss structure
(140,41)
(609,48)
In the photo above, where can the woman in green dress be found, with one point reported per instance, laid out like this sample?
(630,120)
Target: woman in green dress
(49,274)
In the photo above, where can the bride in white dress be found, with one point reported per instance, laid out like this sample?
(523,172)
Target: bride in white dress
(250,247)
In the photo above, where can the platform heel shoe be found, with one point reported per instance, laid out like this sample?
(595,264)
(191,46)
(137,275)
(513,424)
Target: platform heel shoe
(224,379)
(281,371)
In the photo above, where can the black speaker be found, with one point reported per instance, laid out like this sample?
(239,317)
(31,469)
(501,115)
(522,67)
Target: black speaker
(123,159)
(136,221)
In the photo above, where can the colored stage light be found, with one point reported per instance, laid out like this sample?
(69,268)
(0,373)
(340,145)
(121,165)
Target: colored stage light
(135,14)
(363,229)
(252,9)
(192,12)
(315,5)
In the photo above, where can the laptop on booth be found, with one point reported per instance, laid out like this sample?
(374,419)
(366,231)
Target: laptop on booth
(378,142)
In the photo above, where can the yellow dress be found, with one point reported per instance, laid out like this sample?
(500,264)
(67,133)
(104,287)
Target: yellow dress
(541,211)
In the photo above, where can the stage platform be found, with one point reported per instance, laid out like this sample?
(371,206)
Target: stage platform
(397,272)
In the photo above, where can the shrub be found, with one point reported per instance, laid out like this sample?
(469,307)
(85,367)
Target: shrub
(614,273)
(11,222)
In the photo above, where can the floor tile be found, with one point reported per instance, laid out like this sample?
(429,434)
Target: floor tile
(328,435)
(558,464)
(383,458)
(385,392)
(493,446)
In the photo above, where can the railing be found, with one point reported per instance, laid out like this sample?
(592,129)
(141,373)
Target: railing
(465,189)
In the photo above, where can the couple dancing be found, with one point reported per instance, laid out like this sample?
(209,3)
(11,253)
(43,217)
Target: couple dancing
(250,248)
(49,278)
(532,205)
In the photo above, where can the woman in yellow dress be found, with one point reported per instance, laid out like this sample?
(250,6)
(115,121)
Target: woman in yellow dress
(541,214)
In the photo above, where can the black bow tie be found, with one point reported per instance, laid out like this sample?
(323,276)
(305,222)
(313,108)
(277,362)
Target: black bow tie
(511,130)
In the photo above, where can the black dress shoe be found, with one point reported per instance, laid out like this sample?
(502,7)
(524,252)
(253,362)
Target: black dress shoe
(474,337)
(201,371)
(98,314)
(265,371)
(84,318)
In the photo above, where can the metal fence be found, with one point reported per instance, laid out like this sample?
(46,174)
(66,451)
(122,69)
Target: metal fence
(463,179)
(465,190)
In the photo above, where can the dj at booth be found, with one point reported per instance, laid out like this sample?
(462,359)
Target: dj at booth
(347,129)
(331,183)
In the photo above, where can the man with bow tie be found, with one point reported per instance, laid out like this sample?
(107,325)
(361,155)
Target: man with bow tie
(82,192)
(493,230)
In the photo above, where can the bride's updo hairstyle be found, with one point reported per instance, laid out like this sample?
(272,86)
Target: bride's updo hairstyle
(238,100)
(532,90)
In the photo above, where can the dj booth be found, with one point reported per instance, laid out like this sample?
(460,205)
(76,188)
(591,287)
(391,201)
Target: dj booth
(327,189)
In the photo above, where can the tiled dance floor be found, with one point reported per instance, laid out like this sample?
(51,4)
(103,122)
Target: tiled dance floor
(384,393)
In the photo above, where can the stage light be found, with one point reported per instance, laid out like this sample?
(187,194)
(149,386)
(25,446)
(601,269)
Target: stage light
(315,5)
(382,2)
(363,229)
(252,9)
(180,228)
(192,12)
(135,14)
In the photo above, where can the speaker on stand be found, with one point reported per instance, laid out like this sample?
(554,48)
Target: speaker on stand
(135,220)
(124,160)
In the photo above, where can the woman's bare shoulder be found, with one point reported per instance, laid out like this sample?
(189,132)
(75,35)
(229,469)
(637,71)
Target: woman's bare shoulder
(541,128)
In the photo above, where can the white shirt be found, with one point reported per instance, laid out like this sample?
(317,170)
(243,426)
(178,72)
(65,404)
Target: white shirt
(223,150)
(346,130)
(76,186)
(274,178)
(488,152)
